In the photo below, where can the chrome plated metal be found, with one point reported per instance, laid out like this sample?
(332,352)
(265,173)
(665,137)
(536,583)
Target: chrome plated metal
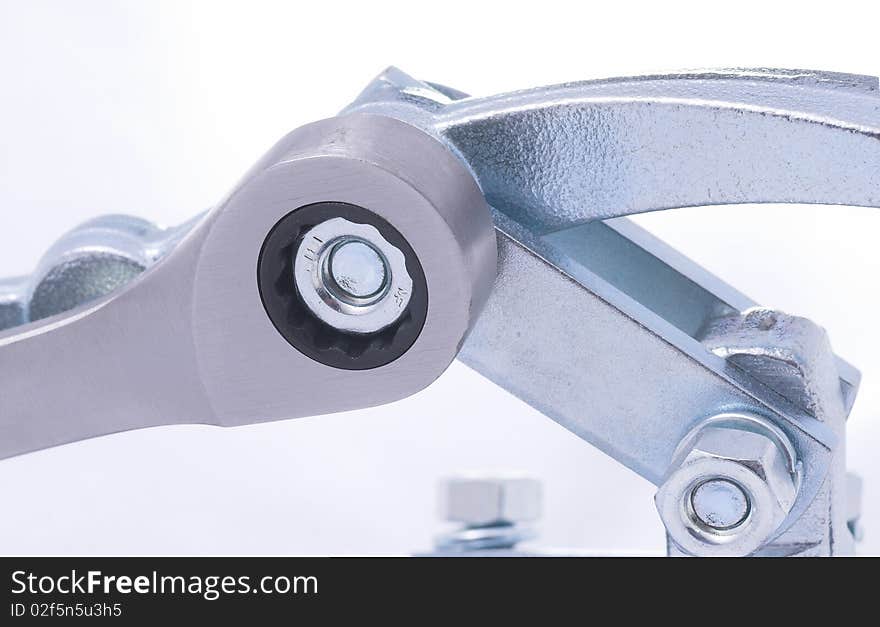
(91,261)
(556,163)
(720,504)
(372,294)
(555,157)
(756,463)
(494,512)
(636,385)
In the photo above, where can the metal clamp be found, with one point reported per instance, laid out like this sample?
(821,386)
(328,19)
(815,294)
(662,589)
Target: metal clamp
(591,320)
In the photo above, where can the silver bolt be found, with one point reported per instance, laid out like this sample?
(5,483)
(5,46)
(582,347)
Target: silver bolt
(495,512)
(720,504)
(356,271)
(731,484)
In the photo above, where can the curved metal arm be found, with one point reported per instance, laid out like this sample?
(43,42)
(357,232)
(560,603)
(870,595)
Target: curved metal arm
(610,324)
(555,157)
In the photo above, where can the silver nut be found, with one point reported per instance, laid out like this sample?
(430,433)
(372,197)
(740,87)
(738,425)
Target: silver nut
(351,277)
(730,488)
(477,501)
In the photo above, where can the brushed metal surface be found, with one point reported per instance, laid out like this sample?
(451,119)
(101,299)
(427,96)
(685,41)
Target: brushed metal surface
(188,341)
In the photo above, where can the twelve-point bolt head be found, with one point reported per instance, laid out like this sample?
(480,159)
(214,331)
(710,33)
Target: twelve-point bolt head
(351,277)
(728,491)
(490,501)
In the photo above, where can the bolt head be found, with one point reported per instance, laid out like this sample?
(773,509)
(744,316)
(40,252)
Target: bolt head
(477,501)
(357,269)
(728,491)
(720,504)
(350,277)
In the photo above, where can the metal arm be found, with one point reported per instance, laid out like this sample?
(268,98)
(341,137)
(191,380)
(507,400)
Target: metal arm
(612,327)
(555,157)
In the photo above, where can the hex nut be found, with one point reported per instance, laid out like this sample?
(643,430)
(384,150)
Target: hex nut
(753,461)
(332,303)
(479,501)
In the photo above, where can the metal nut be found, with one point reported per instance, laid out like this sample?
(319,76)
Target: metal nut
(734,457)
(363,291)
(477,501)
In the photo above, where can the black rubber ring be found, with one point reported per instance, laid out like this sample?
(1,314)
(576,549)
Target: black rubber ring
(301,328)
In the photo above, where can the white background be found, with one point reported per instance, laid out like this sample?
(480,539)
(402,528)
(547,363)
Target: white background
(156,109)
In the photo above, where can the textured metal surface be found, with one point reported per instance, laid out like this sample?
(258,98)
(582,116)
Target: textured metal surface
(635,375)
(792,356)
(78,281)
(558,159)
(188,341)
(633,384)
(87,263)
(617,375)
(559,156)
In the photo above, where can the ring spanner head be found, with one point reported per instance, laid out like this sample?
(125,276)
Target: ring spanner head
(219,331)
